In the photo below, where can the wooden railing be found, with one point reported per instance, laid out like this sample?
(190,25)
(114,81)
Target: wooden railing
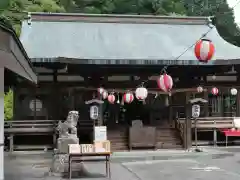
(209,123)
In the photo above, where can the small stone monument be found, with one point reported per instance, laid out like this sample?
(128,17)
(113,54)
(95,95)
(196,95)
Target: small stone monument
(67,135)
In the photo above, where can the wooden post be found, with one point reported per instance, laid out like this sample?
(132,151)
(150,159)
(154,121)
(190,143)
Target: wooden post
(171,111)
(205,106)
(188,127)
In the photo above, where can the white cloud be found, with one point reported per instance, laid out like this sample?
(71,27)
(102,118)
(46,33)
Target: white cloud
(236,10)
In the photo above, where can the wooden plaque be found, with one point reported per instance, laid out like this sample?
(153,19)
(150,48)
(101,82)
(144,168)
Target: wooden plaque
(87,148)
(74,149)
(102,146)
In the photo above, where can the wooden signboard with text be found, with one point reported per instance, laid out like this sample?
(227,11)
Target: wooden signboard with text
(97,147)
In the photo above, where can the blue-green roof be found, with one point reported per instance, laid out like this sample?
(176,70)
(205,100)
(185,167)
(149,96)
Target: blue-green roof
(104,39)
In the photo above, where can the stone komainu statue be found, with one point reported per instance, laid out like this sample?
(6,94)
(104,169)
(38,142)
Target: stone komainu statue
(67,135)
(68,127)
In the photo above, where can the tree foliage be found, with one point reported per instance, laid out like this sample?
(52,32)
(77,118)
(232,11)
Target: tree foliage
(13,10)
(8,105)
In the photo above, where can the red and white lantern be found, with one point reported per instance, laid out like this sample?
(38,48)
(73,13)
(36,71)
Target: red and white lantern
(204,50)
(105,94)
(141,93)
(214,91)
(111,98)
(199,89)
(128,97)
(165,82)
(101,90)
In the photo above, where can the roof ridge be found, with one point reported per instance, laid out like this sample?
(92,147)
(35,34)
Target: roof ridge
(121,18)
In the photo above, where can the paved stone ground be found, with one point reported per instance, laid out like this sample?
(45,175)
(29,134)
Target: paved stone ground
(217,163)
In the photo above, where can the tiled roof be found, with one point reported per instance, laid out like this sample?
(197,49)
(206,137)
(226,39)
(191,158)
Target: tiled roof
(117,37)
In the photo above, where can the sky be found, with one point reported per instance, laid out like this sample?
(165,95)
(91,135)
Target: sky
(232,3)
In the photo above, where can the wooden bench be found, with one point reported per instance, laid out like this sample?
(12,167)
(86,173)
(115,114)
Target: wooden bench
(29,127)
(211,124)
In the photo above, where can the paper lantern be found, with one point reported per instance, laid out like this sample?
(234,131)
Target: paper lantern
(199,89)
(233,91)
(204,50)
(128,97)
(105,94)
(111,98)
(141,93)
(165,82)
(214,91)
(101,90)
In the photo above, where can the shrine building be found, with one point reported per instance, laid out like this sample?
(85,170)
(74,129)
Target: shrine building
(75,54)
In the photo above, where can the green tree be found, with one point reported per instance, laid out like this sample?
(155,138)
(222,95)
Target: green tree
(8,105)
(224,17)
(15,10)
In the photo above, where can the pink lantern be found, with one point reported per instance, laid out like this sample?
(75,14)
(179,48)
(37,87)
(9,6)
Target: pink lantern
(199,89)
(128,97)
(101,90)
(105,94)
(165,82)
(214,91)
(141,93)
(111,98)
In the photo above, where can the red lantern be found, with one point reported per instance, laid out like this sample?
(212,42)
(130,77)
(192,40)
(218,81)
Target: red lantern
(105,94)
(214,91)
(141,93)
(199,89)
(165,82)
(101,90)
(111,98)
(204,50)
(128,97)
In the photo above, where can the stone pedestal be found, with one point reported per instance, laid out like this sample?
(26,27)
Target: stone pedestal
(62,143)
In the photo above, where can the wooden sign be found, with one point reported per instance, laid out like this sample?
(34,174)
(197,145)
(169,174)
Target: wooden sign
(87,148)
(74,149)
(102,146)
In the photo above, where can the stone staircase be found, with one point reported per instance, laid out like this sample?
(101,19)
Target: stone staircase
(118,138)
(168,138)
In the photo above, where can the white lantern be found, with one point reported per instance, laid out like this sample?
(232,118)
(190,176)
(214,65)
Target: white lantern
(104,94)
(233,91)
(141,93)
(101,90)
(199,89)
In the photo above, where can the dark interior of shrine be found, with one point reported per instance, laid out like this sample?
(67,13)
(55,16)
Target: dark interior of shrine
(60,97)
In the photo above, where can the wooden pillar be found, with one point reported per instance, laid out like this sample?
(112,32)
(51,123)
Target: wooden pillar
(238,103)
(238,96)
(55,95)
(205,106)
(188,127)
(171,111)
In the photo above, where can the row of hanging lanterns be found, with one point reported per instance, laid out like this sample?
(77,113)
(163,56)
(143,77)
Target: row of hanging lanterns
(141,94)
(204,51)
(215,91)
(165,83)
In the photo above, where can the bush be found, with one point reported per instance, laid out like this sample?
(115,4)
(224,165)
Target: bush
(8,105)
